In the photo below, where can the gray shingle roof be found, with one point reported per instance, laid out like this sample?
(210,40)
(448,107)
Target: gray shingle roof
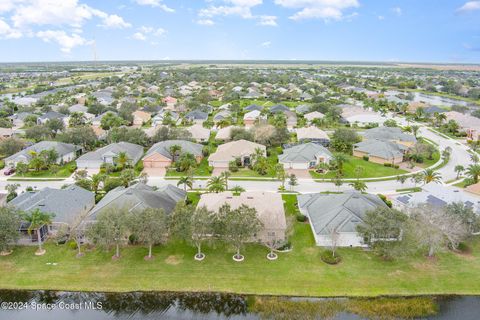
(163,148)
(196,115)
(134,152)
(340,211)
(304,153)
(380,148)
(139,197)
(61,148)
(388,133)
(64,203)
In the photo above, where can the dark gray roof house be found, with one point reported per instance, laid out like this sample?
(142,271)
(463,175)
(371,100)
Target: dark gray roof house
(224,114)
(139,197)
(304,156)
(109,154)
(253,107)
(302,109)
(390,152)
(390,134)
(279,108)
(50,115)
(163,147)
(196,115)
(65,204)
(341,213)
(433,109)
(66,152)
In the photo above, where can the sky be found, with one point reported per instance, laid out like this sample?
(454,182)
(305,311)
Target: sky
(338,30)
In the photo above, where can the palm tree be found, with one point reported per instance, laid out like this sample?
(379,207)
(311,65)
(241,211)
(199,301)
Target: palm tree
(37,219)
(359,185)
(459,169)
(122,159)
(225,175)
(261,166)
(414,129)
(340,159)
(439,118)
(257,155)
(430,175)
(174,151)
(216,184)
(473,171)
(223,123)
(96,180)
(237,190)
(187,181)
(37,162)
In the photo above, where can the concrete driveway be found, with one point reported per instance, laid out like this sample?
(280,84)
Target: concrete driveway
(155,172)
(299,173)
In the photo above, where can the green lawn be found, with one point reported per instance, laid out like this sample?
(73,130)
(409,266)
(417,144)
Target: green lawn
(272,158)
(202,169)
(370,170)
(300,272)
(64,171)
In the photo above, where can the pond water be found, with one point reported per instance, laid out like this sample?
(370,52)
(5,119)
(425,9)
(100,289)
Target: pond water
(429,99)
(50,305)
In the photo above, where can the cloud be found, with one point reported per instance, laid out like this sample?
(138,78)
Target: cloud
(7,32)
(240,8)
(469,6)
(139,36)
(115,22)
(66,42)
(266,44)
(67,17)
(205,22)
(144,33)
(155,3)
(381,18)
(398,11)
(268,21)
(318,9)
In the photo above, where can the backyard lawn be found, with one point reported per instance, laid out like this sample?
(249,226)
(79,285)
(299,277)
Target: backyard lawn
(370,170)
(300,272)
(64,171)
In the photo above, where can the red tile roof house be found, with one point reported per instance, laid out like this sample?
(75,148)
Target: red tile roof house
(159,156)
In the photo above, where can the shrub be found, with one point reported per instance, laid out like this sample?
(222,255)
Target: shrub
(396,166)
(328,257)
(139,166)
(387,164)
(2,164)
(366,158)
(463,247)
(72,168)
(72,245)
(384,199)
(233,166)
(301,218)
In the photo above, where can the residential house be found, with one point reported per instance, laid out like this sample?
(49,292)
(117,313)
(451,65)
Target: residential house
(251,118)
(467,123)
(66,152)
(197,116)
(380,151)
(268,206)
(313,115)
(170,102)
(159,155)
(160,117)
(222,115)
(97,121)
(50,115)
(279,108)
(438,196)
(302,109)
(140,197)
(18,119)
(224,134)
(393,134)
(305,96)
(65,204)
(337,214)
(253,107)
(109,155)
(313,134)
(6,133)
(199,133)
(240,149)
(304,156)
(361,117)
(291,119)
(140,118)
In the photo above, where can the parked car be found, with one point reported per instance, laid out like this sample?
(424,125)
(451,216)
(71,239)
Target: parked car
(9,171)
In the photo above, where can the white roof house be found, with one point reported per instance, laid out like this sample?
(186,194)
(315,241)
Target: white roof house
(230,151)
(199,133)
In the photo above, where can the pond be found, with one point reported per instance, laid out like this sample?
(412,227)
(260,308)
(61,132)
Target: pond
(43,305)
(428,99)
